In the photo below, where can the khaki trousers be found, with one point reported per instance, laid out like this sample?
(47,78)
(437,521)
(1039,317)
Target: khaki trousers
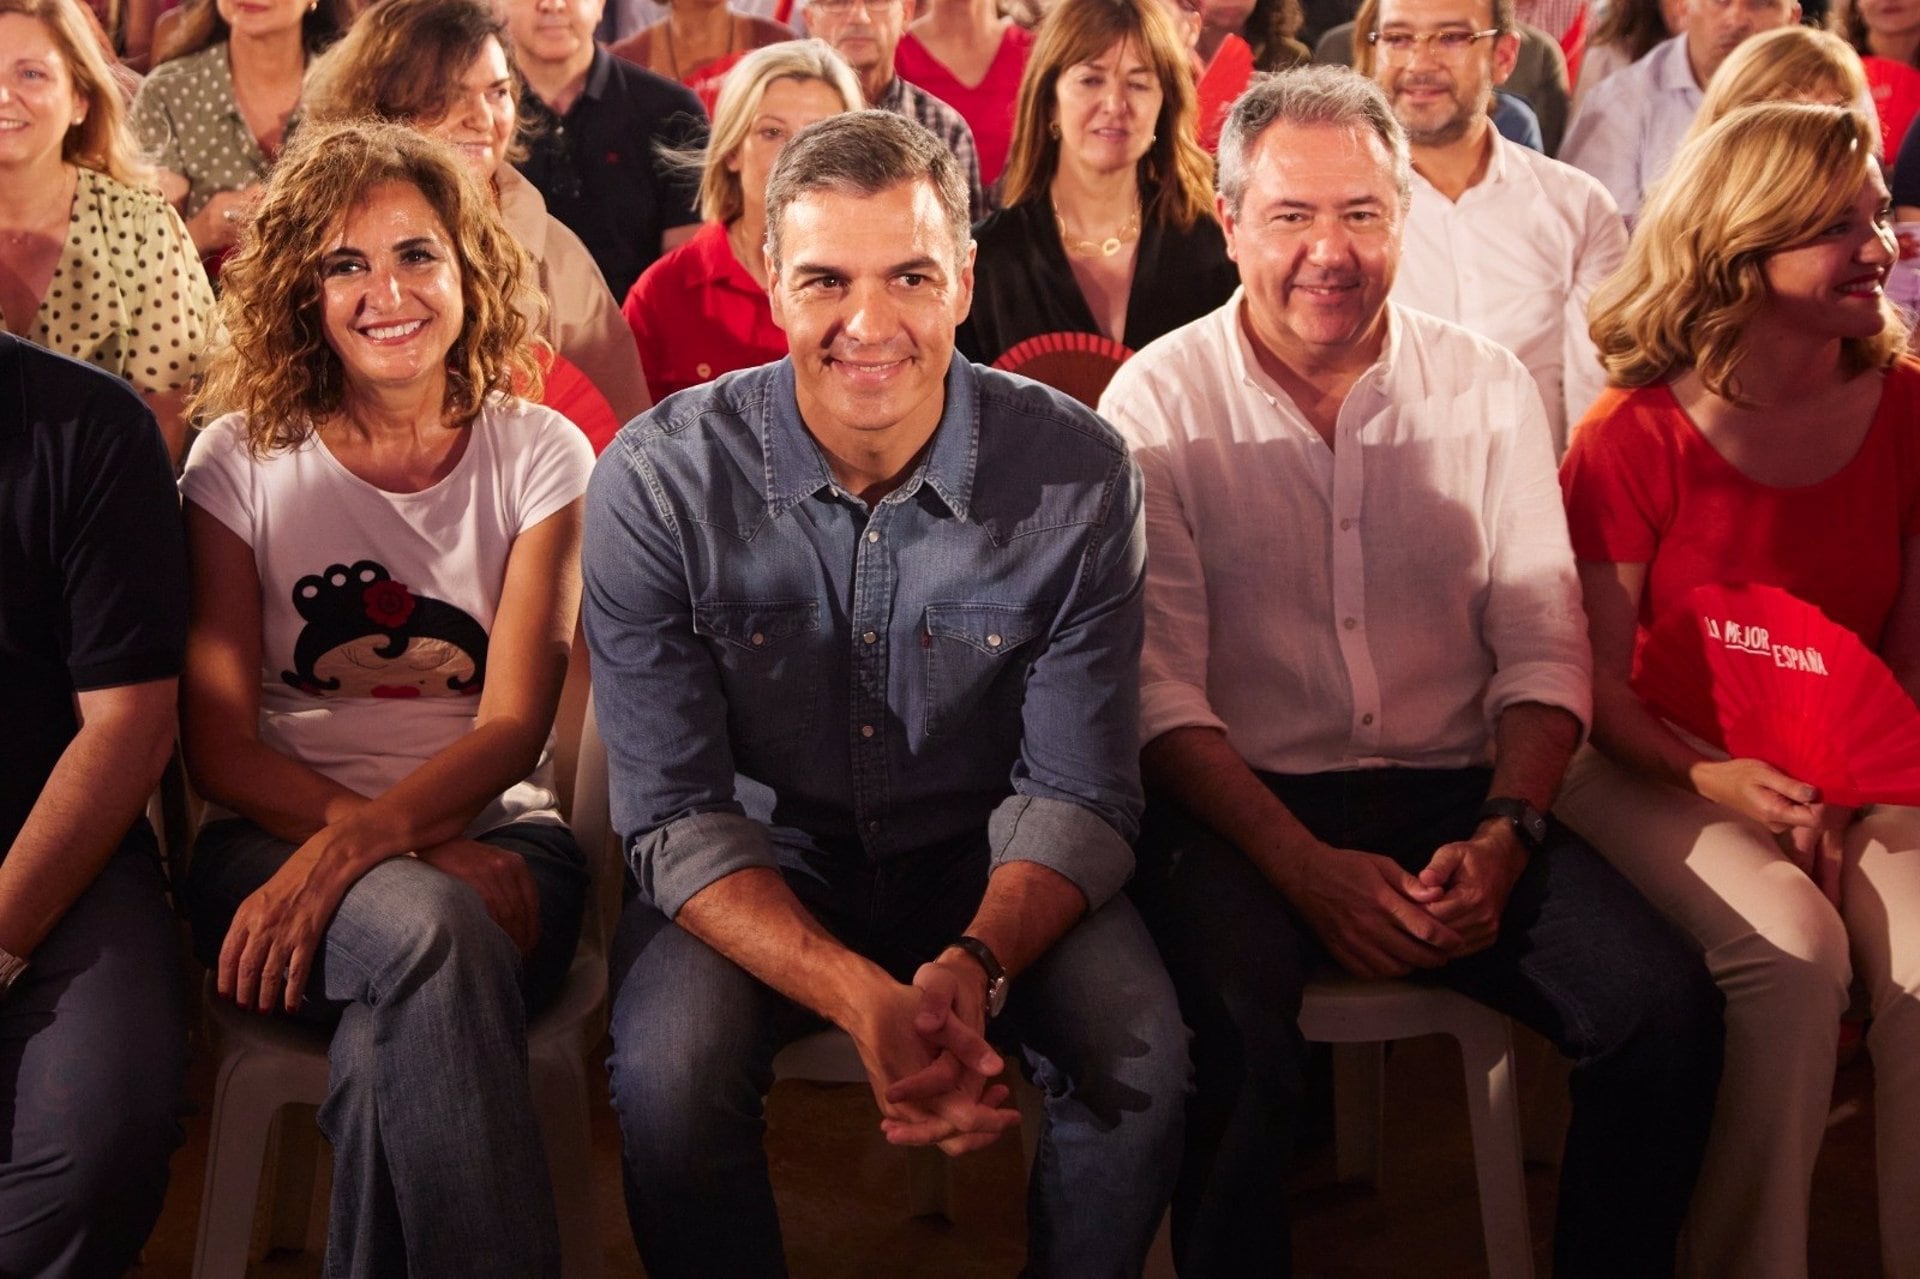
(1785,959)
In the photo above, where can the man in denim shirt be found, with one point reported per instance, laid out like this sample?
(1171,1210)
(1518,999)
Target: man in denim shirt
(865,628)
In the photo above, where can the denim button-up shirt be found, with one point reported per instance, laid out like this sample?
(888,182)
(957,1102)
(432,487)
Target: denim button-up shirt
(773,659)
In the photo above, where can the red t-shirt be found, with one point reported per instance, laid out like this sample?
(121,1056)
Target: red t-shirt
(1225,79)
(987,107)
(1643,486)
(696,314)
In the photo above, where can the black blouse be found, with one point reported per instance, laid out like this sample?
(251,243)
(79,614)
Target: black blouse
(1023,286)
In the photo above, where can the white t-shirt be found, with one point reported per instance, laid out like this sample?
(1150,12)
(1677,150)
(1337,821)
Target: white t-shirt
(376,606)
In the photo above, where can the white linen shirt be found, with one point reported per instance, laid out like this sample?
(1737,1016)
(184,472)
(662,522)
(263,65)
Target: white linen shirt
(1516,259)
(1628,127)
(1373,605)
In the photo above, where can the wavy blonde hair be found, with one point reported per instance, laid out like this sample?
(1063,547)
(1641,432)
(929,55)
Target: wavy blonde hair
(741,93)
(274,363)
(1765,178)
(1791,64)
(101,142)
(1175,167)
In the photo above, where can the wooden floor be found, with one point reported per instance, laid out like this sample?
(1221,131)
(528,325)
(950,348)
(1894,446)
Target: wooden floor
(843,1200)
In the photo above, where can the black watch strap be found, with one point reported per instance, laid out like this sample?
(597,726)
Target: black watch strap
(1528,822)
(991,965)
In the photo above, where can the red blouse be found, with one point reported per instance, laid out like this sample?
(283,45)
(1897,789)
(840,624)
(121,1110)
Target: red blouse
(987,107)
(1643,486)
(696,314)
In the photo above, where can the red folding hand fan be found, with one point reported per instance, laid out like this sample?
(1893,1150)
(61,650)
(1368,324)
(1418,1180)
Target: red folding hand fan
(1767,676)
(1081,364)
(573,396)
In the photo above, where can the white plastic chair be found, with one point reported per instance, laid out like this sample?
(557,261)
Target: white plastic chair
(1358,1017)
(267,1063)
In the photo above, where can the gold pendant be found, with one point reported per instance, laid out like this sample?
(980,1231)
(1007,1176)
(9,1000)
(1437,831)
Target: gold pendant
(1110,246)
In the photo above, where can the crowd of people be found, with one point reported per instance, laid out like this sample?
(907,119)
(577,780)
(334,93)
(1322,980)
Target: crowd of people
(1080,517)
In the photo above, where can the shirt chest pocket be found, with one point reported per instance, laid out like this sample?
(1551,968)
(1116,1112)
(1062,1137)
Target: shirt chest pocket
(977,658)
(769,661)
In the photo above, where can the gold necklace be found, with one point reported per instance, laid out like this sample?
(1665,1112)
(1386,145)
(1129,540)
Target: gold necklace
(1105,248)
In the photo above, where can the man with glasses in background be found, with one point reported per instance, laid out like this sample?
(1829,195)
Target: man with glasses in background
(867,33)
(1499,238)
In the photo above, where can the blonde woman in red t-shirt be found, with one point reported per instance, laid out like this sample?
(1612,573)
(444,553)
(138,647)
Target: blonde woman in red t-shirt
(1761,426)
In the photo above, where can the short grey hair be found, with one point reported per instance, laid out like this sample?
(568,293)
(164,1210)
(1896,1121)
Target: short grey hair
(1333,97)
(865,153)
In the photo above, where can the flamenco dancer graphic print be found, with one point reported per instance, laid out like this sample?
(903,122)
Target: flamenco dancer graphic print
(367,635)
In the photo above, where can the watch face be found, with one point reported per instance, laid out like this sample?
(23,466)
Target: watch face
(1536,824)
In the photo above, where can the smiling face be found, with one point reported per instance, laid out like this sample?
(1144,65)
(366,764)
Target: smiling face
(1439,97)
(1317,238)
(789,105)
(39,102)
(390,297)
(869,292)
(257,18)
(479,120)
(559,32)
(1830,285)
(1107,108)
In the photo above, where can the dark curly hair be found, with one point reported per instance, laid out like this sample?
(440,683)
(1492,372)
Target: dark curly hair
(273,362)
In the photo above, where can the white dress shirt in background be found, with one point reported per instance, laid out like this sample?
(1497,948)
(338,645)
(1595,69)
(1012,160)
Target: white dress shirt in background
(1515,260)
(1628,127)
(1371,605)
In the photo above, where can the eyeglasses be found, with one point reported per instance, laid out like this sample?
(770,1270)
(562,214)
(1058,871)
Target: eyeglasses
(1398,46)
(848,6)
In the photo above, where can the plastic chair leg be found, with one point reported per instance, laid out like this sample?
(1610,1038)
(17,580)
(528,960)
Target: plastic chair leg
(1494,1108)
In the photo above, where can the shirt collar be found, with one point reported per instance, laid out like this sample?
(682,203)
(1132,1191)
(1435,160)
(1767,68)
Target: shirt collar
(892,98)
(712,254)
(796,469)
(523,209)
(1246,369)
(599,74)
(1672,73)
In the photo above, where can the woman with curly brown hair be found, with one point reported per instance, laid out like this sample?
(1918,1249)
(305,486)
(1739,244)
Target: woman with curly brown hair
(385,575)
(1107,228)
(445,68)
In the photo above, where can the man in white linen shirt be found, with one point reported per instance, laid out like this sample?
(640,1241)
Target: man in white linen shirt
(1499,238)
(1359,596)
(1628,126)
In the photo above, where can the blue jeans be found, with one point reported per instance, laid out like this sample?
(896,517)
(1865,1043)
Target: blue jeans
(694,1037)
(438,1163)
(93,1057)
(1581,959)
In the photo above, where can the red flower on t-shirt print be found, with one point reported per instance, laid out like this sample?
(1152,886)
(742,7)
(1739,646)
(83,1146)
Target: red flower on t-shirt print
(388,603)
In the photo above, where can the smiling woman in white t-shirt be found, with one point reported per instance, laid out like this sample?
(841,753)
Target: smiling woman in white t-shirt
(385,554)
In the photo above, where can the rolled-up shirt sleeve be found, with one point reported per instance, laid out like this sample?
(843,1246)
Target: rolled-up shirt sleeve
(1077,798)
(1534,623)
(657,693)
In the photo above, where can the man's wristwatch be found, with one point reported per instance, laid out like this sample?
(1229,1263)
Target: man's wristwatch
(1528,822)
(11,966)
(990,964)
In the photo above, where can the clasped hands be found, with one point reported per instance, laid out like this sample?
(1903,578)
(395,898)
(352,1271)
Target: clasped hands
(929,1063)
(1379,920)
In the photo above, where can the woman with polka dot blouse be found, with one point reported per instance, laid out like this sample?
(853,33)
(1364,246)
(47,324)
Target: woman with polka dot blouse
(93,263)
(214,112)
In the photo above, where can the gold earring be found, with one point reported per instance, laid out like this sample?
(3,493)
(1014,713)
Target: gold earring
(1053,128)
